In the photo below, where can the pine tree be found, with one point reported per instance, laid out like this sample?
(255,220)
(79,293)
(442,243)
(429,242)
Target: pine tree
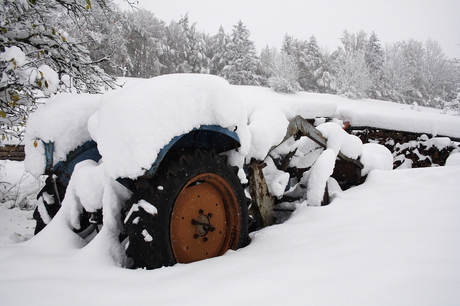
(267,62)
(185,50)
(143,46)
(218,49)
(374,58)
(289,45)
(195,59)
(312,61)
(241,58)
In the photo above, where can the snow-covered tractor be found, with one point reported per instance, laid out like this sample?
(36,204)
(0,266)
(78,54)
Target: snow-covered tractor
(181,168)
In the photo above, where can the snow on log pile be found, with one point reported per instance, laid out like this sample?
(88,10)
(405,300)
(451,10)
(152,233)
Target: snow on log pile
(417,136)
(411,150)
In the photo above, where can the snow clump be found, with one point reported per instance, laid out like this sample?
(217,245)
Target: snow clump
(69,114)
(135,123)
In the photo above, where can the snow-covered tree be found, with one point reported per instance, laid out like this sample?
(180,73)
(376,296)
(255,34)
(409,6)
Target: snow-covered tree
(185,49)
(313,71)
(440,76)
(104,35)
(353,43)
(218,48)
(144,45)
(285,74)
(241,58)
(420,72)
(267,62)
(351,73)
(38,59)
(325,78)
(394,71)
(289,46)
(374,57)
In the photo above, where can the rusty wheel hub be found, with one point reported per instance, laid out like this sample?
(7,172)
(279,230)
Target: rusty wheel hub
(202,219)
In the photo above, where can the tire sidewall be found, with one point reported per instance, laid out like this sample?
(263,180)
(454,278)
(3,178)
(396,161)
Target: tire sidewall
(162,191)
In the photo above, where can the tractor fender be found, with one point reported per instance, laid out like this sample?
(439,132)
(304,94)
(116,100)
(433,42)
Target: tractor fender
(64,169)
(211,137)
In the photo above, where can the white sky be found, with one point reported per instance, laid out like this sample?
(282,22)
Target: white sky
(269,20)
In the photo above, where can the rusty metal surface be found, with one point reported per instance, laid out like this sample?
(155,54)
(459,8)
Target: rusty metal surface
(262,201)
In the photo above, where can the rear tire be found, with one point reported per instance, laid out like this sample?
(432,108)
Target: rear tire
(201,211)
(48,203)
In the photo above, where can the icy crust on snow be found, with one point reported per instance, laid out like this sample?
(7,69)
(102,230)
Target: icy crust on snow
(134,123)
(63,121)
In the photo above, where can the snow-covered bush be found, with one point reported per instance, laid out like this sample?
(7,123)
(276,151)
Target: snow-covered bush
(452,107)
(17,188)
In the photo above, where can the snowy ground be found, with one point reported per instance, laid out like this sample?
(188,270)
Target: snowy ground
(17,191)
(395,240)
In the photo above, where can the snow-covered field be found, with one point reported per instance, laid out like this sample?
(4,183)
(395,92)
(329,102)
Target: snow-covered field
(395,240)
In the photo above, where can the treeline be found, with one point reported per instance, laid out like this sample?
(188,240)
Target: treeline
(141,45)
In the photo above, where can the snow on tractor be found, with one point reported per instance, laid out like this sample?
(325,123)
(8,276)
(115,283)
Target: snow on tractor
(181,168)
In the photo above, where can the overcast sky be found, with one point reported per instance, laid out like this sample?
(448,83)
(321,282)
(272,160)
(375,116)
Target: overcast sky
(269,20)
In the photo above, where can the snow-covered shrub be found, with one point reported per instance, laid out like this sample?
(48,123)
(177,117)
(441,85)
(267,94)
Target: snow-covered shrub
(280,84)
(17,188)
(452,107)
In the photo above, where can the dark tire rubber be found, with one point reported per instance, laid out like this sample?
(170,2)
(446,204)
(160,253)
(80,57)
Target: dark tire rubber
(183,179)
(55,193)
(51,208)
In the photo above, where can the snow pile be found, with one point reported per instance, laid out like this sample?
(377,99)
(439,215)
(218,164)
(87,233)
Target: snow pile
(85,190)
(62,120)
(267,126)
(337,141)
(319,174)
(340,141)
(453,159)
(277,180)
(368,247)
(133,124)
(375,156)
